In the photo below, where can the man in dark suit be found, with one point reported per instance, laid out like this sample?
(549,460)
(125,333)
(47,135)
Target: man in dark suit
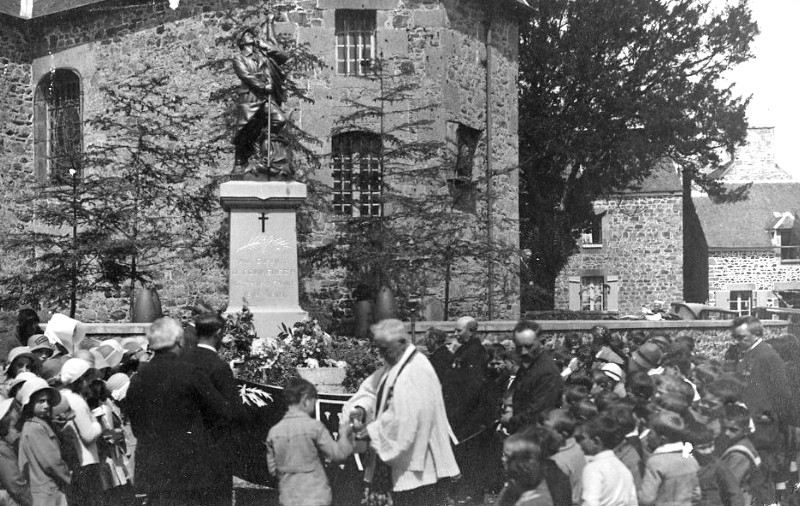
(537,387)
(169,402)
(462,385)
(209,327)
(767,396)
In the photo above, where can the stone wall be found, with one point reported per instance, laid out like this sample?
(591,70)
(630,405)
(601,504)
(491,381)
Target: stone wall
(712,337)
(757,267)
(16,135)
(439,45)
(642,244)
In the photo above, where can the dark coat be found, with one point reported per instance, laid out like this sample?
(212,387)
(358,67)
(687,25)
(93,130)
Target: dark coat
(767,387)
(170,402)
(261,81)
(462,389)
(536,389)
(221,377)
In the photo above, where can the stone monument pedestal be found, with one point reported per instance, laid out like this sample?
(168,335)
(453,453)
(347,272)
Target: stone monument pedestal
(263,251)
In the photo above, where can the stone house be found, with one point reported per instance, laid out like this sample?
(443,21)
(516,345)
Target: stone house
(754,245)
(461,55)
(632,254)
(651,245)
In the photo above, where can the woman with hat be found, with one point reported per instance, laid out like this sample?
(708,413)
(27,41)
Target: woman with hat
(39,453)
(86,487)
(13,481)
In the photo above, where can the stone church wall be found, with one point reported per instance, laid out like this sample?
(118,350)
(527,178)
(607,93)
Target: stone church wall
(642,244)
(440,44)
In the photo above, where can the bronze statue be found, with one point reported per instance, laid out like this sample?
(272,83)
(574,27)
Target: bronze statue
(259,117)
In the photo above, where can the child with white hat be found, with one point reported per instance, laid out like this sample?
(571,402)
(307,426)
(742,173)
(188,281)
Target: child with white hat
(39,453)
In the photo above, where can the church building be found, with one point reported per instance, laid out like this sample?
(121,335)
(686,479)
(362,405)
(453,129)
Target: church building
(437,80)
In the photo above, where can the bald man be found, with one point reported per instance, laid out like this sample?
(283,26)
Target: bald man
(462,387)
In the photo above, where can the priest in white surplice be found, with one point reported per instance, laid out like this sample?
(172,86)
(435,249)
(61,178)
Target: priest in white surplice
(399,411)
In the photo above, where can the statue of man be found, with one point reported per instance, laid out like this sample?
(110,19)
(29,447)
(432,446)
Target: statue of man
(261,92)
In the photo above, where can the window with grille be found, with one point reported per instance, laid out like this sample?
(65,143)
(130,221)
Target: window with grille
(58,124)
(356,174)
(355,40)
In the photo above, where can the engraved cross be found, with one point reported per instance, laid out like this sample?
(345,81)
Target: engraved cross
(263,219)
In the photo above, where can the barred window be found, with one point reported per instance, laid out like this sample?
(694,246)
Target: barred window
(355,40)
(59,129)
(356,174)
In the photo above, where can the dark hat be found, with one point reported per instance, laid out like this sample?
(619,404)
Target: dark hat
(648,355)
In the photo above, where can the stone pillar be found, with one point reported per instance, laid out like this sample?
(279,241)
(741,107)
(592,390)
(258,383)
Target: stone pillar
(263,251)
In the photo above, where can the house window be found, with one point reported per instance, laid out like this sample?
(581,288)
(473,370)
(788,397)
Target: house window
(356,174)
(58,125)
(790,246)
(593,293)
(741,301)
(592,235)
(462,187)
(355,40)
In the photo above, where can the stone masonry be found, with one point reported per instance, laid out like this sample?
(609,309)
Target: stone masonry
(642,244)
(760,268)
(439,44)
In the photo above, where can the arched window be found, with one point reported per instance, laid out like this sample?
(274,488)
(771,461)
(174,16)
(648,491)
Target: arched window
(356,174)
(58,128)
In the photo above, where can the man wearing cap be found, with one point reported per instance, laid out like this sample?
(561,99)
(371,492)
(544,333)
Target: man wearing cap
(461,389)
(170,402)
(537,387)
(209,327)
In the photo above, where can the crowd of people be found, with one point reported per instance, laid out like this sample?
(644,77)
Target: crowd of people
(120,421)
(595,419)
(611,419)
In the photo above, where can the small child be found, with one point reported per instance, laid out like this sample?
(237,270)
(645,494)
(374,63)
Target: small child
(606,480)
(522,463)
(741,457)
(39,453)
(670,474)
(629,451)
(717,483)
(569,457)
(294,445)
